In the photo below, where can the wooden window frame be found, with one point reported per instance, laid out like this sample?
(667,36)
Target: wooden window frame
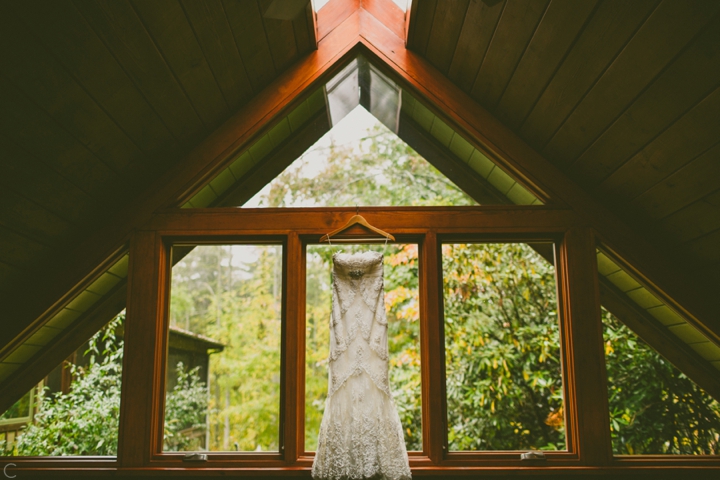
(584,378)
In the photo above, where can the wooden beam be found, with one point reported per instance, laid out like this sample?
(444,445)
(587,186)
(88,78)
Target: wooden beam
(588,425)
(432,351)
(666,276)
(400,220)
(142,379)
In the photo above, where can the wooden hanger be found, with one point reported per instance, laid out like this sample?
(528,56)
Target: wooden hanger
(356,219)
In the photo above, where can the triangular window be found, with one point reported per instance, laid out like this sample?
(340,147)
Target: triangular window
(654,408)
(361,140)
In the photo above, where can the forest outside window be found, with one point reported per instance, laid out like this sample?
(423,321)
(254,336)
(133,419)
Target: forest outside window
(503,356)
(222,381)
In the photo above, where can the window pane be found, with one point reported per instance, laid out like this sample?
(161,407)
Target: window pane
(654,408)
(75,409)
(402,307)
(502,348)
(360,162)
(223,370)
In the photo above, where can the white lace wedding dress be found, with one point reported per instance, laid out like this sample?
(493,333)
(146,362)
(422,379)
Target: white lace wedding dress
(360,434)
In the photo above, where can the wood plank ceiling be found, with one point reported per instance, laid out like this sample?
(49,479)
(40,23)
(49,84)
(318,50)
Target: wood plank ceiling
(99,99)
(622,96)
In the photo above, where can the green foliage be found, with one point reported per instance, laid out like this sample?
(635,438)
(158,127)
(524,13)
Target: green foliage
(85,420)
(654,409)
(186,408)
(504,384)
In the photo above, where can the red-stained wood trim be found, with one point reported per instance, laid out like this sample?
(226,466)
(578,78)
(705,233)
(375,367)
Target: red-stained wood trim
(333,14)
(667,276)
(586,401)
(388,13)
(432,351)
(139,414)
(400,220)
(293,414)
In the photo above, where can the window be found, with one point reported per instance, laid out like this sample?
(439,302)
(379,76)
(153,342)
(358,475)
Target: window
(503,356)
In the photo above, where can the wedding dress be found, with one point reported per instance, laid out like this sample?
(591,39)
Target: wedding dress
(360,434)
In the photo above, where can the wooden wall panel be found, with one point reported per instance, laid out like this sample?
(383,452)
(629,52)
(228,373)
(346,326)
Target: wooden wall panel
(446,28)
(706,247)
(687,138)
(8,273)
(19,250)
(32,220)
(215,37)
(556,33)
(246,23)
(67,35)
(27,63)
(693,75)
(168,26)
(653,47)
(30,177)
(121,30)
(695,220)
(36,132)
(518,23)
(478,27)
(607,32)
(687,185)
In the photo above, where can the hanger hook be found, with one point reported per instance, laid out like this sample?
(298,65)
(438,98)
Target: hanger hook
(357,209)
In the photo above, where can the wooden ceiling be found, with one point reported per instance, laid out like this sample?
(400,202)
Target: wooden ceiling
(100,98)
(622,96)
(109,103)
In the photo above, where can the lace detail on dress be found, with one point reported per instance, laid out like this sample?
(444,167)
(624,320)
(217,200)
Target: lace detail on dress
(360,434)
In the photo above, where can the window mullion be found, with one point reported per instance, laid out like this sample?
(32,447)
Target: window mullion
(432,350)
(293,374)
(585,375)
(142,387)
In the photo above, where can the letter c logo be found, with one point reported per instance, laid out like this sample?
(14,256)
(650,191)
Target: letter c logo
(6,472)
